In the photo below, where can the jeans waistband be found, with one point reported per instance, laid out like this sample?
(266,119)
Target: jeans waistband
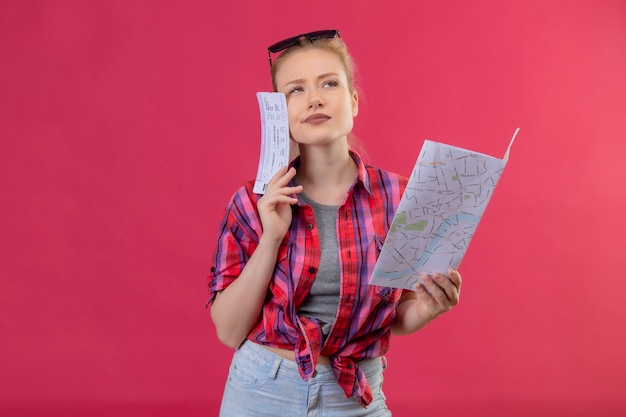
(263,357)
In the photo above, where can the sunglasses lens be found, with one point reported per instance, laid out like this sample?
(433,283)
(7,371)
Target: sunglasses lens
(284,44)
(312,36)
(322,34)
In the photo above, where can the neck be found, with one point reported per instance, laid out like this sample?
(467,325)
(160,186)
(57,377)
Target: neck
(326,174)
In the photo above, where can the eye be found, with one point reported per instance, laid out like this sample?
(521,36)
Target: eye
(296,89)
(330,83)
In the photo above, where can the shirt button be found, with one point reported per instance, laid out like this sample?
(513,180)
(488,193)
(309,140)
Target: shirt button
(314,374)
(311,269)
(309,226)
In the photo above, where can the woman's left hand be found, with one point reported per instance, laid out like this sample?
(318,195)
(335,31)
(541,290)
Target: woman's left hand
(438,293)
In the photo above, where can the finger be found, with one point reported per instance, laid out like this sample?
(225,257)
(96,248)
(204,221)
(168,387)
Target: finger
(282,177)
(443,291)
(282,191)
(286,199)
(434,289)
(448,286)
(273,200)
(455,277)
(456,280)
(452,278)
(421,290)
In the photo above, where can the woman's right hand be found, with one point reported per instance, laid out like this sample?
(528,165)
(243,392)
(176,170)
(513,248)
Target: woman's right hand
(275,205)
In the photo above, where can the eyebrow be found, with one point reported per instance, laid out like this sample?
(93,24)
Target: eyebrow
(319,77)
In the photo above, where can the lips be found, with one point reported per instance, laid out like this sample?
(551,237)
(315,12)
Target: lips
(316,118)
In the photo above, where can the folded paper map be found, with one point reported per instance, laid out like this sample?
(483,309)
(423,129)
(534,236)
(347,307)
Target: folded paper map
(444,200)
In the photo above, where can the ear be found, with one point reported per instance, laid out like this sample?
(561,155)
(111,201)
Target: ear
(355,104)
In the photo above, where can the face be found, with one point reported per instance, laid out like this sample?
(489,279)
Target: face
(320,105)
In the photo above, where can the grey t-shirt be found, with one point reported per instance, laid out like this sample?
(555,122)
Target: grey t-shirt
(322,301)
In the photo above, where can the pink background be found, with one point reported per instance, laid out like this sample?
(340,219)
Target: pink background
(126,125)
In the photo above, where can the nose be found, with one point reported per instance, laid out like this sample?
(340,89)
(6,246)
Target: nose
(315,99)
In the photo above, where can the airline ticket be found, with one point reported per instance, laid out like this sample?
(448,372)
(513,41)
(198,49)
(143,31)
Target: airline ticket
(274,138)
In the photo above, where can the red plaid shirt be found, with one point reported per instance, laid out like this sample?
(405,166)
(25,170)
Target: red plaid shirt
(365,313)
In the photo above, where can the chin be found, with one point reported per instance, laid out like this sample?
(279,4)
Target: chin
(320,139)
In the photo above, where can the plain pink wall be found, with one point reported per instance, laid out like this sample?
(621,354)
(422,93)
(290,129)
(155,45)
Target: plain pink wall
(126,125)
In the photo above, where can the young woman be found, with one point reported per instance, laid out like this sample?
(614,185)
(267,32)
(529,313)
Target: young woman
(289,287)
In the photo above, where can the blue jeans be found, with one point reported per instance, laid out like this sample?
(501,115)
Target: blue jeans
(261,383)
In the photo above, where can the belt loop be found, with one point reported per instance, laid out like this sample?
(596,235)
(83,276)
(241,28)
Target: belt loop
(275,367)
